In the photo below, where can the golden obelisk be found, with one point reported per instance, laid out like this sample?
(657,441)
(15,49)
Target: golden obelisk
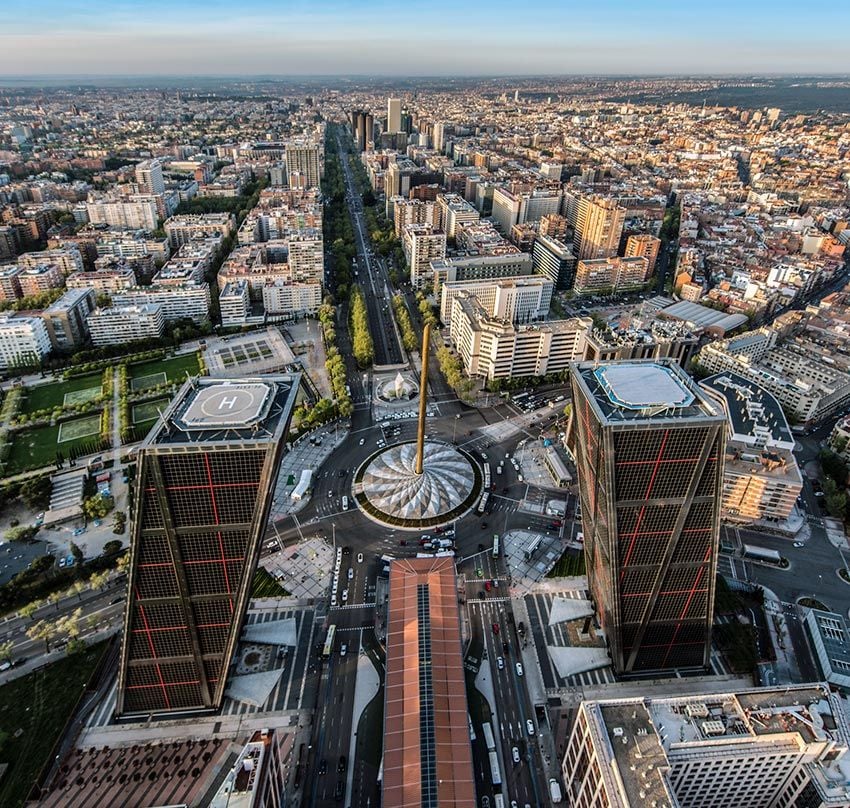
(423,395)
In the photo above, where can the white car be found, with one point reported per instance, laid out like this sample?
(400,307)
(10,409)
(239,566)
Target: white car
(500,662)
(344,595)
(362,441)
(333,600)
(343,649)
(350,573)
(518,667)
(529,725)
(515,754)
(360,558)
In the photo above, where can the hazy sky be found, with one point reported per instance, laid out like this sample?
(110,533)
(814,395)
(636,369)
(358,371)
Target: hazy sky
(437,37)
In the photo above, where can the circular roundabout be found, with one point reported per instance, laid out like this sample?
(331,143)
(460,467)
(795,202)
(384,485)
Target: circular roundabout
(390,491)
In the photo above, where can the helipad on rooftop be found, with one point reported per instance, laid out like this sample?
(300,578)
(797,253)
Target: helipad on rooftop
(227,405)
(643,386)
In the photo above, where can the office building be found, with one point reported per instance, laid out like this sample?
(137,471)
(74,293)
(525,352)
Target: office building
(234,302)
(453,210)
(427,756)
(646,246)
(554,259)
(491,348)
(829,637)
(24,341)
(198,227)
(66,319)
(117,325)
(767,748)
(602,275)
(393,115)
(599,227)
(479,267)
(422,244)
(515,300)
(303,165)
(761,479)
(206,475)
(149,177)
(189,300)
(649,448)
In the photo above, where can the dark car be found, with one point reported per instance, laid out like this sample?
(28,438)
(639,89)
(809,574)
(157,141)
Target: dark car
(323,767)
(342,764)
(339,791)
(402,543)
(495,628)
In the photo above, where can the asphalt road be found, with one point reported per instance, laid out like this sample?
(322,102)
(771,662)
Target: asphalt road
(371,275)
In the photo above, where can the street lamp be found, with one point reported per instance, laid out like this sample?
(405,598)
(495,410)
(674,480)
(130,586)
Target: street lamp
(454,426)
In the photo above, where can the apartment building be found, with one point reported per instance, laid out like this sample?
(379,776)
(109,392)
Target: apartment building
(511,208)
(762,748)
(598,227)
(516,300)
(491,348)
(117,325)
(66,319)
(643,245)
(286,298)
(761,479)
(452,211)
(234,302)
(197,227)
(24,341)
(132,244)
(149,177)
(40,278)
(190,300)
(655,340)
(422,244)
(139,212)
(189,264)
(609,275)
(805,386)
(66,259)
(413,211)
(303,166)
(10,284)
(123,276)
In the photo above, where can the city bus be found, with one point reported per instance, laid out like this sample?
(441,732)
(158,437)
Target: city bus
(558,471)
(489,739)
(482,503)
(329,640)
(495,545)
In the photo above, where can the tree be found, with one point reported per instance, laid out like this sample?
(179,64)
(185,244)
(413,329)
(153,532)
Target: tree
(76,552)
(123,563)
(98,506)
(75,646)
(77,588)
(28,610)
(35,492)
(98,580)
(114,545)
(42,630)
(6,649)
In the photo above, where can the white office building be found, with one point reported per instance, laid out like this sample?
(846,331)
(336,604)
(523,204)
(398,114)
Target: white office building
(234,302)
(284,298)
(422,244)
(117,325)
(24,341)
(515,300)
(149,177)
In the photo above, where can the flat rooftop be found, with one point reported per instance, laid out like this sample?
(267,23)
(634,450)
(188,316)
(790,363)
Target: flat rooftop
(216,410)
(635,390)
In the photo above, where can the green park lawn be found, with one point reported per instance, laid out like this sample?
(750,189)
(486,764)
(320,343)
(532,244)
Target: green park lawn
(33,712)
(37,447)
(175,368)
(47,396)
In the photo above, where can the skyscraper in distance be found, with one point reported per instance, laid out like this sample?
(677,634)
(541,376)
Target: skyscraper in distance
(205,477)
(393,115)
(649,449)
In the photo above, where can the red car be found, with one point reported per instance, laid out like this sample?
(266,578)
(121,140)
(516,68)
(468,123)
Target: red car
(488,587)
(495,628)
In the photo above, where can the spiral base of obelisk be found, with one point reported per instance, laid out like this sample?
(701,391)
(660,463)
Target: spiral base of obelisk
(389,490)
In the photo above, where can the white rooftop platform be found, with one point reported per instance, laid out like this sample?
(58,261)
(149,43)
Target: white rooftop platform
(564,609)
(641,386)
(254,688)
(570,661)
(275,632)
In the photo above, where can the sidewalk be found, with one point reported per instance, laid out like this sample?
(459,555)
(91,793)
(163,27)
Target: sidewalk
(367,683)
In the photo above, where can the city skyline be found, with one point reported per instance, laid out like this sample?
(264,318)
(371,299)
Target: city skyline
(342,38)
